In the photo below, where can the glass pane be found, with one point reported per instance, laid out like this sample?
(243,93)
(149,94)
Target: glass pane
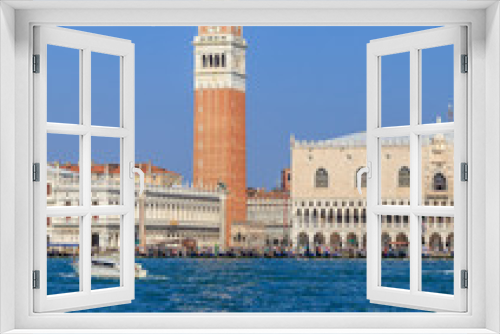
(106,260)
(105,90)
(395,244)
(437,84)
(395,89)
(63,85)
(63,248)
(437,169)
(438,244)
(63,172)
(106,171)
(395,170)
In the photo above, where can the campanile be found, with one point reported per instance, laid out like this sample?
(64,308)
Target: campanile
(219,157)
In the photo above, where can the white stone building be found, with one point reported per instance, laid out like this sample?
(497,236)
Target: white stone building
(165,215)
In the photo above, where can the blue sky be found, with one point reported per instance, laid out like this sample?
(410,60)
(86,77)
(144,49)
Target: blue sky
(309,81)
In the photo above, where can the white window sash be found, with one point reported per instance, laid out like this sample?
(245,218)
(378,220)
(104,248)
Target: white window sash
(413,43)
(86,297)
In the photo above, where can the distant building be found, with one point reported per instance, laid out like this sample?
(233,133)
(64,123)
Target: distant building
(329,212)
(268,221)
(286,180)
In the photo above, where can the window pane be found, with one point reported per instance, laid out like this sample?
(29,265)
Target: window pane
(63,248)
(437,254)
(105,90)
(395,243)
(63,85)
(106,171)
(437,169)
(106,262)
(395,172)
(395,89)
(63,172)
(437,84)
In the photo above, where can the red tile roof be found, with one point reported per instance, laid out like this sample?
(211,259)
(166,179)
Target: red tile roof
(115,168)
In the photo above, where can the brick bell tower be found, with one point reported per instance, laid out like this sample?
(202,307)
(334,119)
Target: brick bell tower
(219,117)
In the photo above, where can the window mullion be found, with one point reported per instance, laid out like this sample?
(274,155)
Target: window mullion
(415,267)
(86,174)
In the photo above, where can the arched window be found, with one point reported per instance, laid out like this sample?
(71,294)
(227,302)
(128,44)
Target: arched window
(363,178)
(439,182)
(223,60)
(211,60)
(216,60)
(204,61)
(321,178)
(404,177)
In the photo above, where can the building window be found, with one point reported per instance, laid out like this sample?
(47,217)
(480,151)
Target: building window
(404,177)
(439,182)
(321,178)
(223,60)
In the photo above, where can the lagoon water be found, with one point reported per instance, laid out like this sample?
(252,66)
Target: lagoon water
(256,285)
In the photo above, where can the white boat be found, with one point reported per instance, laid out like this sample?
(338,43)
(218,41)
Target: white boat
(109,267)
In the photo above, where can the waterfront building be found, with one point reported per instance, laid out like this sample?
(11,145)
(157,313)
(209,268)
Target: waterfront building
(268,223)
(168,214)
(328,211)
(219,156)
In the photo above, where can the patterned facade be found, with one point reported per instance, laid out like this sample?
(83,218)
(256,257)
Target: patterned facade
(329,212)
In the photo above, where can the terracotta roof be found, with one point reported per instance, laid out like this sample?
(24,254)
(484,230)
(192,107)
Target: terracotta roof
(115,168)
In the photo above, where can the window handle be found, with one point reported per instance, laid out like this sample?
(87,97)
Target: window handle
(134,170)
(359,174)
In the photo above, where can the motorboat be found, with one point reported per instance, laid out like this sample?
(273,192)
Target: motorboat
(109,267)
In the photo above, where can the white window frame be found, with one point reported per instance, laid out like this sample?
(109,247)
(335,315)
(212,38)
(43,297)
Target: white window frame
(482,19)
(414,43)
(86,44)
